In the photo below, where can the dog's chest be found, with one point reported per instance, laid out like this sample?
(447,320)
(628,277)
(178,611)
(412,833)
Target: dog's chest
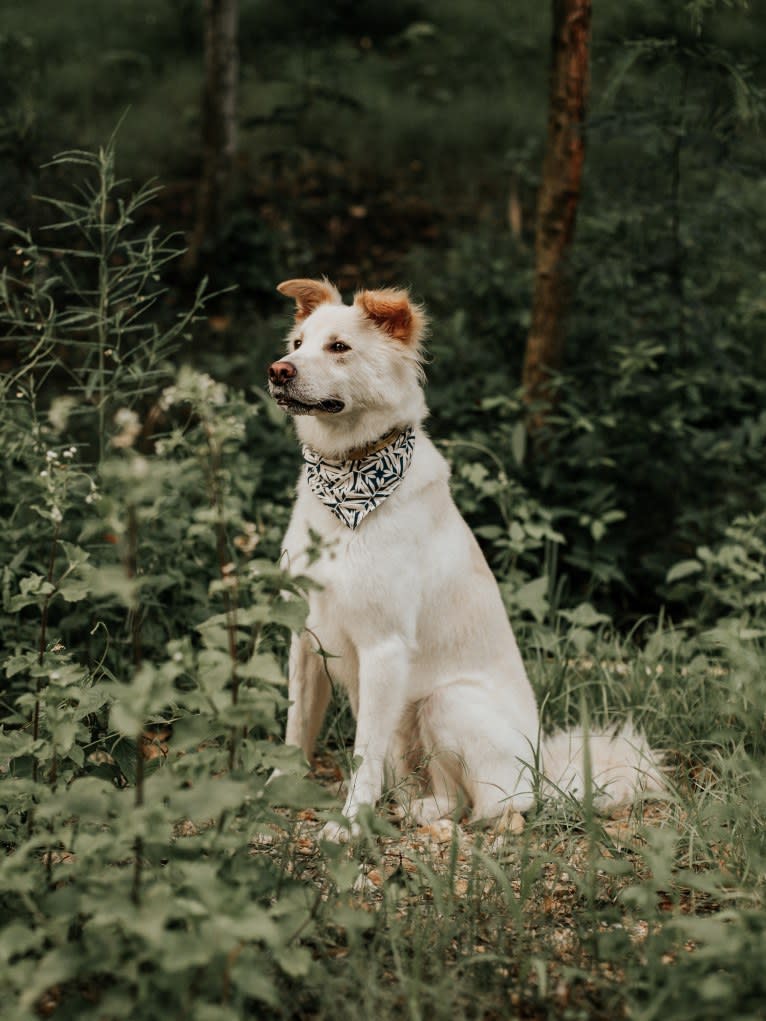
(339,561)
(354,569)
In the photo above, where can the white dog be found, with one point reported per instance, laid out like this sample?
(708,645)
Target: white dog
(406,603)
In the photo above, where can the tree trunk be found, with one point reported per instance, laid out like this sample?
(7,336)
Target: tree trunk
(219,122)
(557,203)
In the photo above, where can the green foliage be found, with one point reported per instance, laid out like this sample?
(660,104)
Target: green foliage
(133,610)
(84,302)
(729,579)
(655,442)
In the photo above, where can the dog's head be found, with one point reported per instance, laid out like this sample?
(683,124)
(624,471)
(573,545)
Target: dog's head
(348,361)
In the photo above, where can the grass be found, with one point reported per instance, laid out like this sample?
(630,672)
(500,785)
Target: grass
(653,912)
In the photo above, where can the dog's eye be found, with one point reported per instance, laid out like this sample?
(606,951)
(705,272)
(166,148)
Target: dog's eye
(297,343)
(339,347)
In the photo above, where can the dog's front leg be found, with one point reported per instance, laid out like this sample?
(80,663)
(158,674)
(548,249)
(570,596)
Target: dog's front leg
(309,693)
(383,675)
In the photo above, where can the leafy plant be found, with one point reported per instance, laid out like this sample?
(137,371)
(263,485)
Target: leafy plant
(144,649)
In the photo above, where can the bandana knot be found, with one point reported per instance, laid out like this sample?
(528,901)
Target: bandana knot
(355,487)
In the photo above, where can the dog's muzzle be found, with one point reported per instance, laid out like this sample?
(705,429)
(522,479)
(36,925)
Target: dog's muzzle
(286,393)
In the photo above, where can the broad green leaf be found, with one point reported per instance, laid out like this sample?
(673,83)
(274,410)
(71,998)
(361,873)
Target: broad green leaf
(75,555)
(263,666)
(73,589)
(584,615)
(113,581)
(533,597)
(250,975)
(34,589)
(295,792)
(683,569)
(126,719)
(519,442)
(64,734)
(16,664)
(295,961)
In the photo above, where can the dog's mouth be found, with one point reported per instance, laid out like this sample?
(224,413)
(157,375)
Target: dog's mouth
(330,406)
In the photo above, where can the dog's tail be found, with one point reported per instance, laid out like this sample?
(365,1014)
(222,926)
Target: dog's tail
(618,765)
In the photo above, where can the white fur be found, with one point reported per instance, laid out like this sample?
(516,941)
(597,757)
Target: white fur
(412,615)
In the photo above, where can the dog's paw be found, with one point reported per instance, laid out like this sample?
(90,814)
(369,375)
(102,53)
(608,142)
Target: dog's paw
(339,833)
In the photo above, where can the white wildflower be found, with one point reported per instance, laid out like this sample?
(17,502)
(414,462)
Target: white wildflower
(59,412)
(249,539)
(217,393)
(168,397)
(129,425)
(140,467)
(197,388)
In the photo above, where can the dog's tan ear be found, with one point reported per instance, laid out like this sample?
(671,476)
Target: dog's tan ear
(308,294)
(392,311)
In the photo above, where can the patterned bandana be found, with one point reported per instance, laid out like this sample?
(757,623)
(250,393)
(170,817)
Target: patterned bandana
(353,488)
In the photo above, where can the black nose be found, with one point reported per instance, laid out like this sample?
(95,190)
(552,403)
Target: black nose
(280,372)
